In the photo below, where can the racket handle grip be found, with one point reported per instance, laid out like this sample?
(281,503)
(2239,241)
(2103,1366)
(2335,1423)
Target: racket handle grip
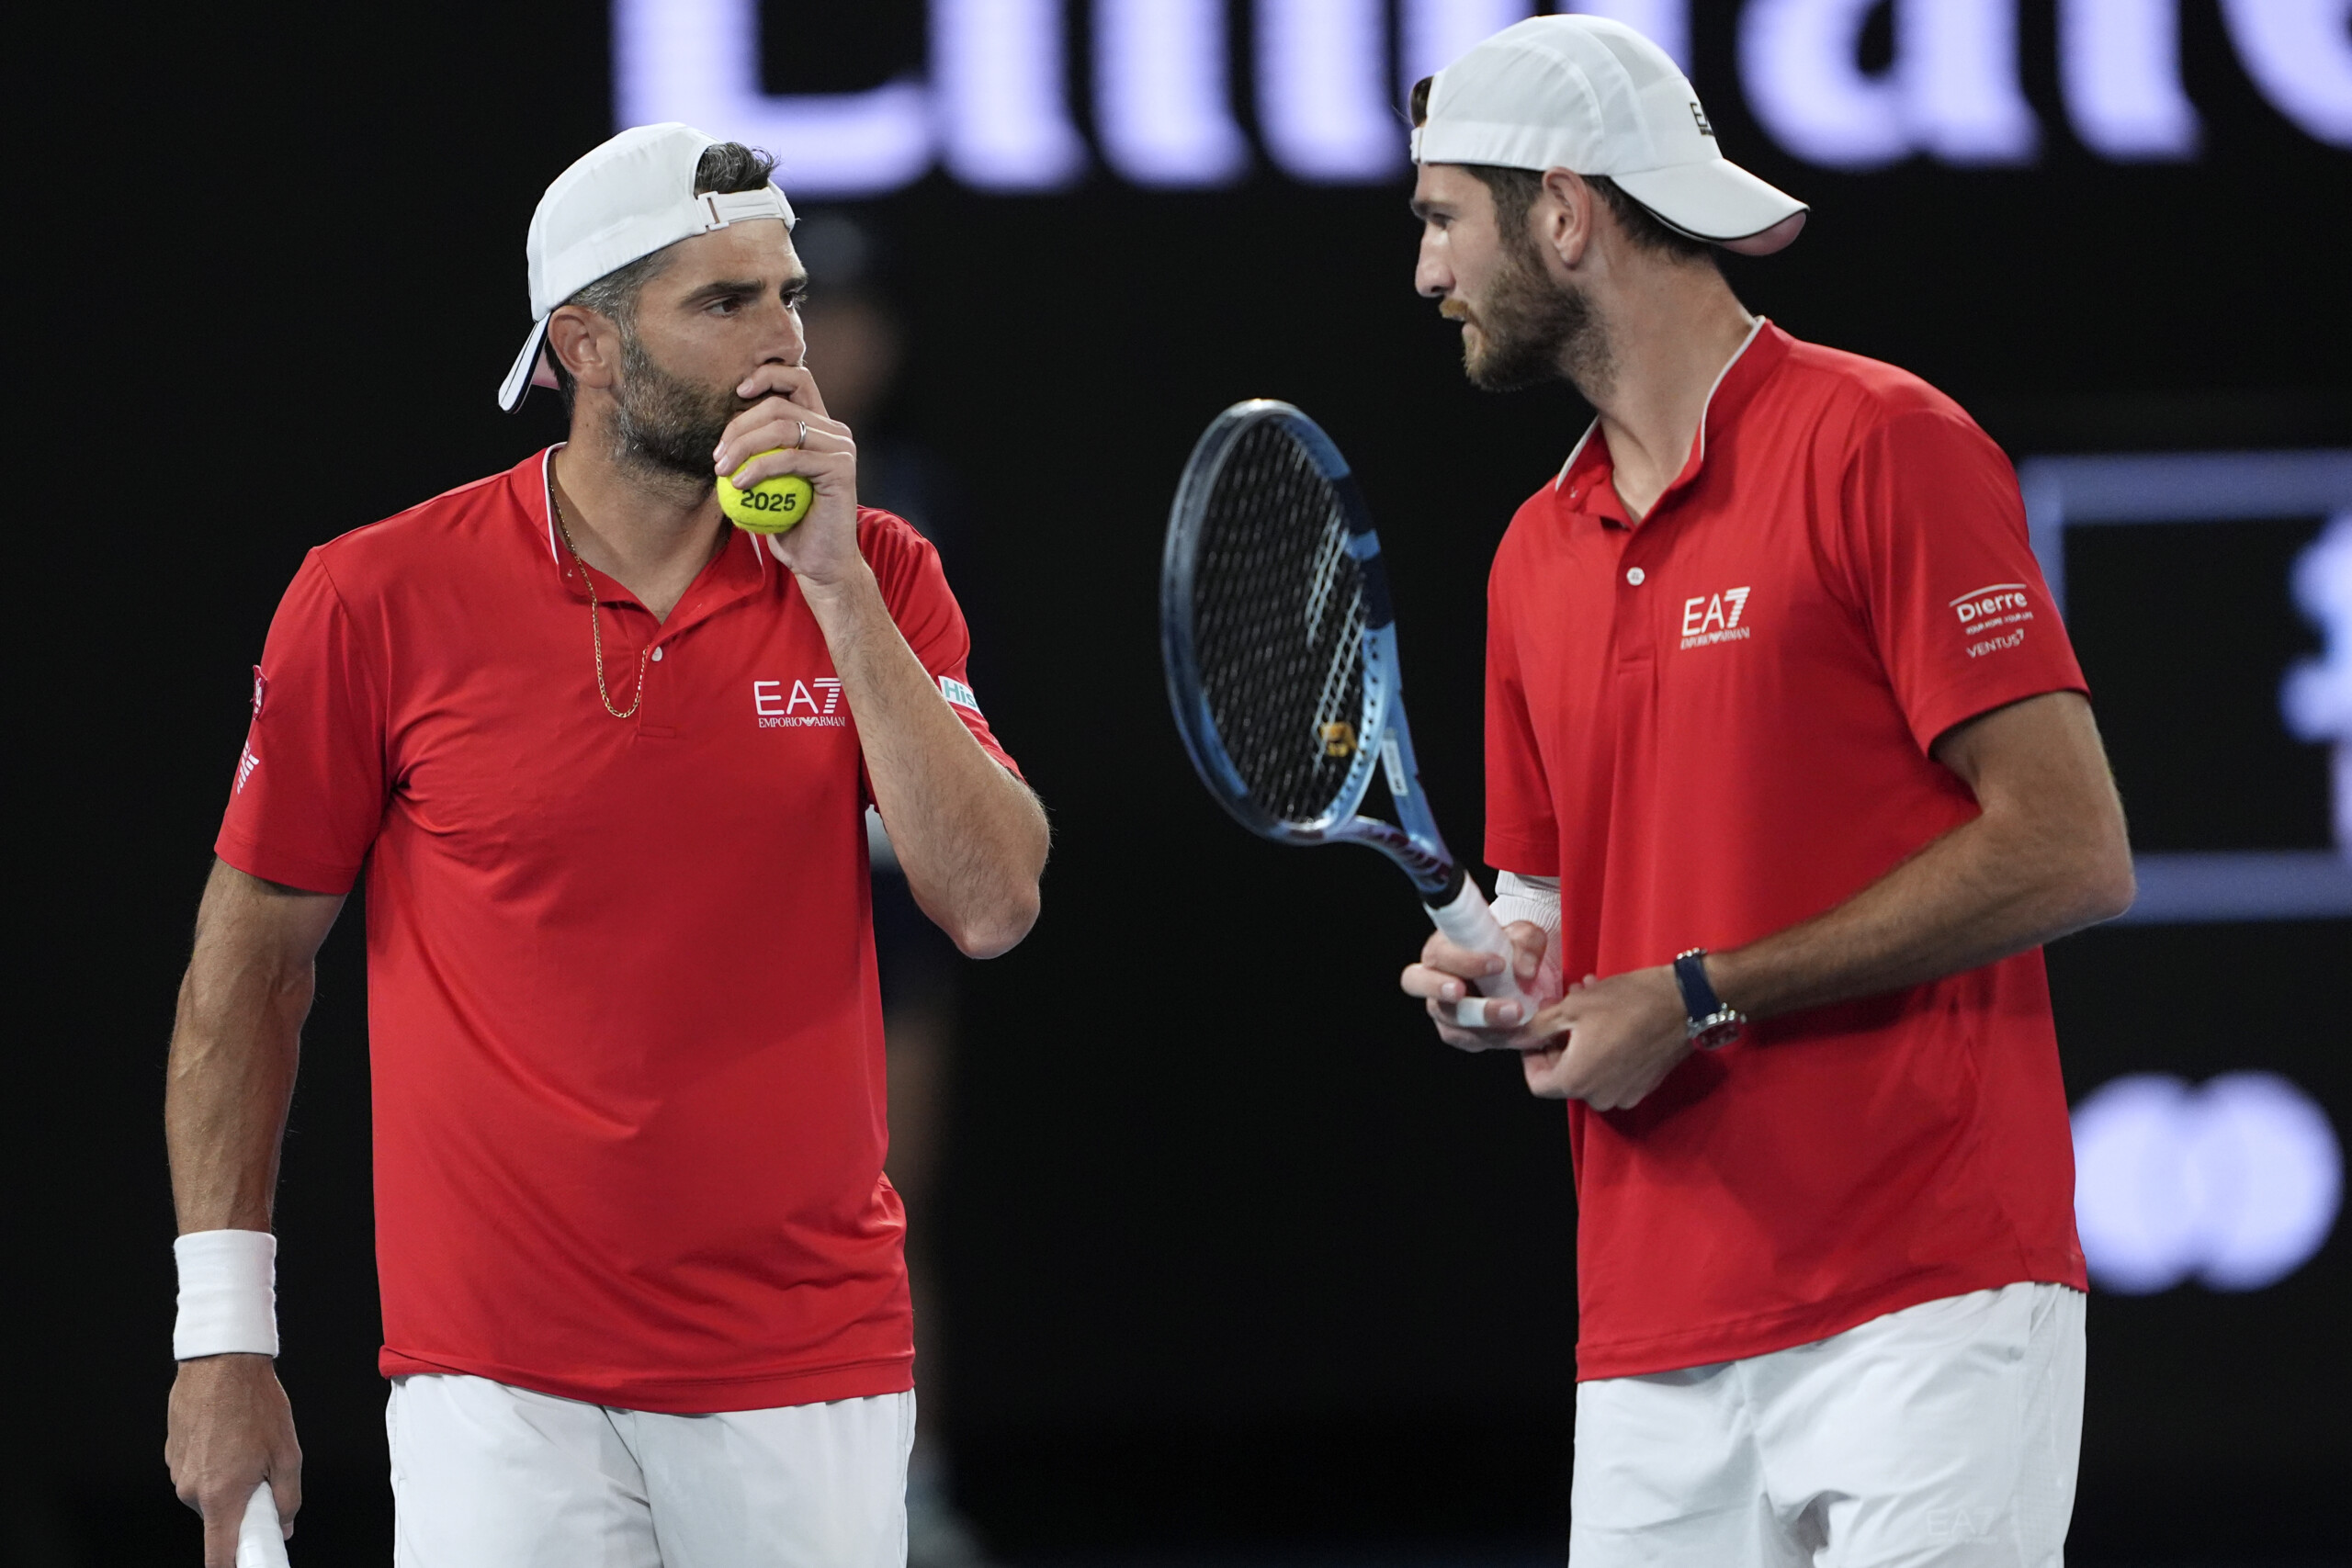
(260,1544)
(1468,921)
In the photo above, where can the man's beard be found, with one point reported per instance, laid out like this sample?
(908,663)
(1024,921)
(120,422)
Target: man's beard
(1536,329)
(665,423)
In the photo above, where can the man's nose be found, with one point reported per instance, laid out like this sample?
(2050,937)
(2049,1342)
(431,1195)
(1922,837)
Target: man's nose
(1432,276)
(789,344)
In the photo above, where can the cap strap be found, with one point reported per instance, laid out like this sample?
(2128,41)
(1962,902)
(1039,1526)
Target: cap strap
(738,207)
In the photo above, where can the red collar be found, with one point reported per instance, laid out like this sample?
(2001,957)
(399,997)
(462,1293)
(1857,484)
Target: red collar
(1584,482)
(740,566)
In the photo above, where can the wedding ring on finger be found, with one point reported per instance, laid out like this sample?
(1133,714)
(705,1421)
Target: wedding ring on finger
(802,439)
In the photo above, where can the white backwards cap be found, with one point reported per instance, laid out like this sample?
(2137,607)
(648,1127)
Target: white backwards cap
(627,200)
(1594,96)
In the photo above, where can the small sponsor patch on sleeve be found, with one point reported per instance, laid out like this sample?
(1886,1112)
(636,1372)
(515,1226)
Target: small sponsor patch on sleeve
(955,691)
(1994,618)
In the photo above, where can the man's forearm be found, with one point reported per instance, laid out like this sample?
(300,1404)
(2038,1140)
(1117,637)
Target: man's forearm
(2046,856)
(235,1042)
(233,1050)
(970,838)
(225,1113)
(1957,904)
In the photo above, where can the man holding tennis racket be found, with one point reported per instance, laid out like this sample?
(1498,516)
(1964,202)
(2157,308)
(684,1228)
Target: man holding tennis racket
(605,762)
(1789,757)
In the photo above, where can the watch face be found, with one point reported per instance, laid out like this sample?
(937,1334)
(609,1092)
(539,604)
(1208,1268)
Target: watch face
(1716,1036)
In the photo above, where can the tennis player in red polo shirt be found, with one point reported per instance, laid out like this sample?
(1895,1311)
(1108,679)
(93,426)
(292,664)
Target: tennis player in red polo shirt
(1789,758)
(605,762)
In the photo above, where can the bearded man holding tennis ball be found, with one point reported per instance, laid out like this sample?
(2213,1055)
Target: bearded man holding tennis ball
(604,756)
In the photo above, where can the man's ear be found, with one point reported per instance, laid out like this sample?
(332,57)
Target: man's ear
(1563,216)
(586,343)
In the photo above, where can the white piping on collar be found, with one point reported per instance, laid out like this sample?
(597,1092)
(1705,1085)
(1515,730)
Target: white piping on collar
(1577,451)
(1710,405)
(547,486)
(1737,353)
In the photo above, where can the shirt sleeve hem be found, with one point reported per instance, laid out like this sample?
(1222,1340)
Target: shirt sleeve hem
(275,865)
(1957,705)
(1529,857)
(987,737)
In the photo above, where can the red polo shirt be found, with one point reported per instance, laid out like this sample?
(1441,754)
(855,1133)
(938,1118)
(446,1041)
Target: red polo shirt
(1716,723)
(626,1037)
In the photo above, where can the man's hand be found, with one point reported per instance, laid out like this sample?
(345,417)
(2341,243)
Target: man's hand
(1446,974)
(1609,1042)
(970,838)
(822,550)
(231,1429)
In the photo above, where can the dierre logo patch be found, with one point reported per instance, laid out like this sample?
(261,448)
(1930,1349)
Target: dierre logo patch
(1995,615)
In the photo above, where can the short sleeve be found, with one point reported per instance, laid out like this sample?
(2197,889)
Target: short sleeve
(1942,564)
(310,784)
(1522,834)
(915,588)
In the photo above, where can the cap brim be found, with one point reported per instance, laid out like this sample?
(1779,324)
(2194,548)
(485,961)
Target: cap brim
(525,372)
(1719,202)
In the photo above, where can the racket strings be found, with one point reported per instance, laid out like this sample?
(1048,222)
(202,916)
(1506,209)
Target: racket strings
(1279,618)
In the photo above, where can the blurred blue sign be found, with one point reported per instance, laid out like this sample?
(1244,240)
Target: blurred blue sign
(2316,698)
(2070,492)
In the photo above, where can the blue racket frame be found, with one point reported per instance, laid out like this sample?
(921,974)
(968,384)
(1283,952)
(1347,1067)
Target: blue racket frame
(1384,739)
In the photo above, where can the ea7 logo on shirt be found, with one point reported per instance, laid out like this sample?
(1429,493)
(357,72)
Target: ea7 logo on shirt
(1993,615)
(1715,617)
(246,763)
(810,704)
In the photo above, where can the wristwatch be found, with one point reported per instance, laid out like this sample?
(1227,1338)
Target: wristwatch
(1709,1025)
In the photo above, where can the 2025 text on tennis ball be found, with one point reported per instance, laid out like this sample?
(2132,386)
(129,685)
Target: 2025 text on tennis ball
(771,506)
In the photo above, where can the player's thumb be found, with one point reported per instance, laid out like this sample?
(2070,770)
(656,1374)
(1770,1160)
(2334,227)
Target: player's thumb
(1527,946)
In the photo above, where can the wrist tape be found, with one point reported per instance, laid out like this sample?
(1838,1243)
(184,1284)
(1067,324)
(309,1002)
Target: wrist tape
(228,1294)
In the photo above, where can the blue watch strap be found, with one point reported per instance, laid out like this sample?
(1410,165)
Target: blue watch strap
(1698,998)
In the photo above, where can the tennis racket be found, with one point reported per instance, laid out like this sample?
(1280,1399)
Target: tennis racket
(1280,652)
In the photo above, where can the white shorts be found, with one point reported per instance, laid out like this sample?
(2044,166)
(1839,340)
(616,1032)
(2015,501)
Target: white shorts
(1945,1434)
(488,1476)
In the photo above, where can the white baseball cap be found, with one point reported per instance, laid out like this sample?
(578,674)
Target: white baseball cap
(627,200)
(1592,96)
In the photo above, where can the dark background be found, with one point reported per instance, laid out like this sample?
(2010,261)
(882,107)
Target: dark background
(1237,1253)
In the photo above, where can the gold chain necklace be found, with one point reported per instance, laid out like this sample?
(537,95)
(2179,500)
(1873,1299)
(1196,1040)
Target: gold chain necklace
(595,630)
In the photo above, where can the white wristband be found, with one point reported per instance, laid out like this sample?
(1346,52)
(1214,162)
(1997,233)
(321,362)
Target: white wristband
(228,1294)
(1535,899)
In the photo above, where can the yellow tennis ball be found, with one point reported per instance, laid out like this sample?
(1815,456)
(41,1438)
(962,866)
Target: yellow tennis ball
(770,506)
